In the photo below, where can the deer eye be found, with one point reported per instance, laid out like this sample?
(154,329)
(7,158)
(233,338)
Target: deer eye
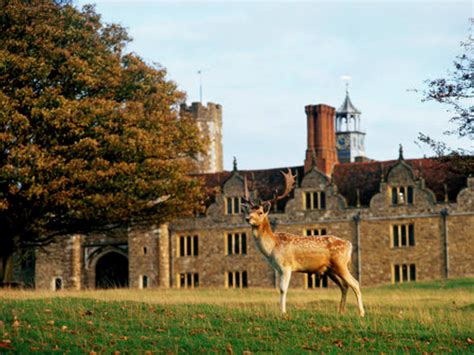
(259,213)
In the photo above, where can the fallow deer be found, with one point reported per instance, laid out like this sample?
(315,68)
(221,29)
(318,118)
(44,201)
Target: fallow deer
(289,253)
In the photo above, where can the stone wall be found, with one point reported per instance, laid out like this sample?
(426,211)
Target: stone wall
(143,249)
(461,245)
(58,265)
(157,251)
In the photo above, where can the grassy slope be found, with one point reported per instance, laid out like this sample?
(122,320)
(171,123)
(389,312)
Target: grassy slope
(435,316)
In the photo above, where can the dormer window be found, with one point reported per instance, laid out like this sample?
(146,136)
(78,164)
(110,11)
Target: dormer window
(401,195)
(314,200)
(232,205)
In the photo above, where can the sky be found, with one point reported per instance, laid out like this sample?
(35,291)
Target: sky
(263,61)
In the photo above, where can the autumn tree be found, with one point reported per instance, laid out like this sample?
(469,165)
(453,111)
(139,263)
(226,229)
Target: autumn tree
(90,136)
(456,91)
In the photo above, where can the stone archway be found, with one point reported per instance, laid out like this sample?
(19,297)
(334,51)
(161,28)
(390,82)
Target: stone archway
(111,271)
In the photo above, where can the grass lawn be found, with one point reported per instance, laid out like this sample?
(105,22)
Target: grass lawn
(419,317)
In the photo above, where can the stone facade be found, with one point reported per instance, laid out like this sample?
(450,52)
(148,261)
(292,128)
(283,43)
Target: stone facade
(162,253)
(408,220)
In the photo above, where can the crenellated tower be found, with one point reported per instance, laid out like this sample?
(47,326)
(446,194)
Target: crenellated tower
(209,121)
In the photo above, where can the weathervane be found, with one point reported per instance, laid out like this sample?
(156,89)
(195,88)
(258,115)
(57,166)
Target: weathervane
(200,85)
(346,79)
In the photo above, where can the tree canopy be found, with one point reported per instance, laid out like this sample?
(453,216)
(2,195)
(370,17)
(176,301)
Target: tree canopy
(90,136)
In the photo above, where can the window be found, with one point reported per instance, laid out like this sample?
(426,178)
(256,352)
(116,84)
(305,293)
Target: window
(403,235)
(58,284)
(236,244)
(236,279)
(232,205)
(188,280)
(195,245)
(145,250)
(402,195)
(403,273)
(144,281)
(311,232)
(315,200)
(315,281)
(188,245)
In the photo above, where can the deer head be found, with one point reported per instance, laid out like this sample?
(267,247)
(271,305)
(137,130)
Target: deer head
(257,212)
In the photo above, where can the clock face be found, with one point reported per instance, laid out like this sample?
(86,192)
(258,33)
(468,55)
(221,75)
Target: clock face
(342,142)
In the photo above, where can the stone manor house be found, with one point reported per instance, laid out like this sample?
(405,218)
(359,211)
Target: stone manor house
(408,220)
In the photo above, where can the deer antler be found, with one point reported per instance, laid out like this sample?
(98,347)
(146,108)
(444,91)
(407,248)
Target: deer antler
(246,199)
(289,185)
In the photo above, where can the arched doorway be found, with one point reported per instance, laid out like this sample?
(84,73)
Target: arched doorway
(111,271)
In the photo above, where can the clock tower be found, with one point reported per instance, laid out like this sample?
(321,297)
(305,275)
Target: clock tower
(349,136)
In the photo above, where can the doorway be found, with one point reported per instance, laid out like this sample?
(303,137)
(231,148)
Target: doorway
(111,271)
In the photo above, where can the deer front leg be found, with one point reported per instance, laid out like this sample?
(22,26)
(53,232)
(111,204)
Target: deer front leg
(285,277)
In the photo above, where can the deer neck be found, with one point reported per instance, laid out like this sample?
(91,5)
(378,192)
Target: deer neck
(264,238)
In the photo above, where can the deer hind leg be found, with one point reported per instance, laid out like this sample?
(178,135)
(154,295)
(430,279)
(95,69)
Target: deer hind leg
(285,277)
(346,276)
(343,286)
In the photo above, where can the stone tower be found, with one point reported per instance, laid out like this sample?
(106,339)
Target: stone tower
(349,136)
(321,149)
(209,121)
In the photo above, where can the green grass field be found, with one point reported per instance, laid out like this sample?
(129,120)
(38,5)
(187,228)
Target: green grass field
(422,317)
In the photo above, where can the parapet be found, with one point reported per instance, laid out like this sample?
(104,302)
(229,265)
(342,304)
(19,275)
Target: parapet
(210,112)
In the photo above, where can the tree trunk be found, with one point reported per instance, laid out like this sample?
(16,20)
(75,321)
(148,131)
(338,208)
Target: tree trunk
(6,269)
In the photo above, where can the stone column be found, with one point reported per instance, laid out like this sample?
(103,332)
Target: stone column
(444,216)
(357,219)
(76,262)
(163,256)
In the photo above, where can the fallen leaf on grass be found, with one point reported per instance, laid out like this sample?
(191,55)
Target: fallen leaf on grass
(16,323)
(198,331)
(338,343)
(229,349)
(469,341)
(6,345)
(50,322)
(2,325)
(85,313)
(325,329)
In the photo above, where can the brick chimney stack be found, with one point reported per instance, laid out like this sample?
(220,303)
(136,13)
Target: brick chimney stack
(321,138)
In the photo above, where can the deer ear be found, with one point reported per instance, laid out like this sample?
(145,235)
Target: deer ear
(266,207)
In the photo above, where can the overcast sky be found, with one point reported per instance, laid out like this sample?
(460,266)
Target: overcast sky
(264,61)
